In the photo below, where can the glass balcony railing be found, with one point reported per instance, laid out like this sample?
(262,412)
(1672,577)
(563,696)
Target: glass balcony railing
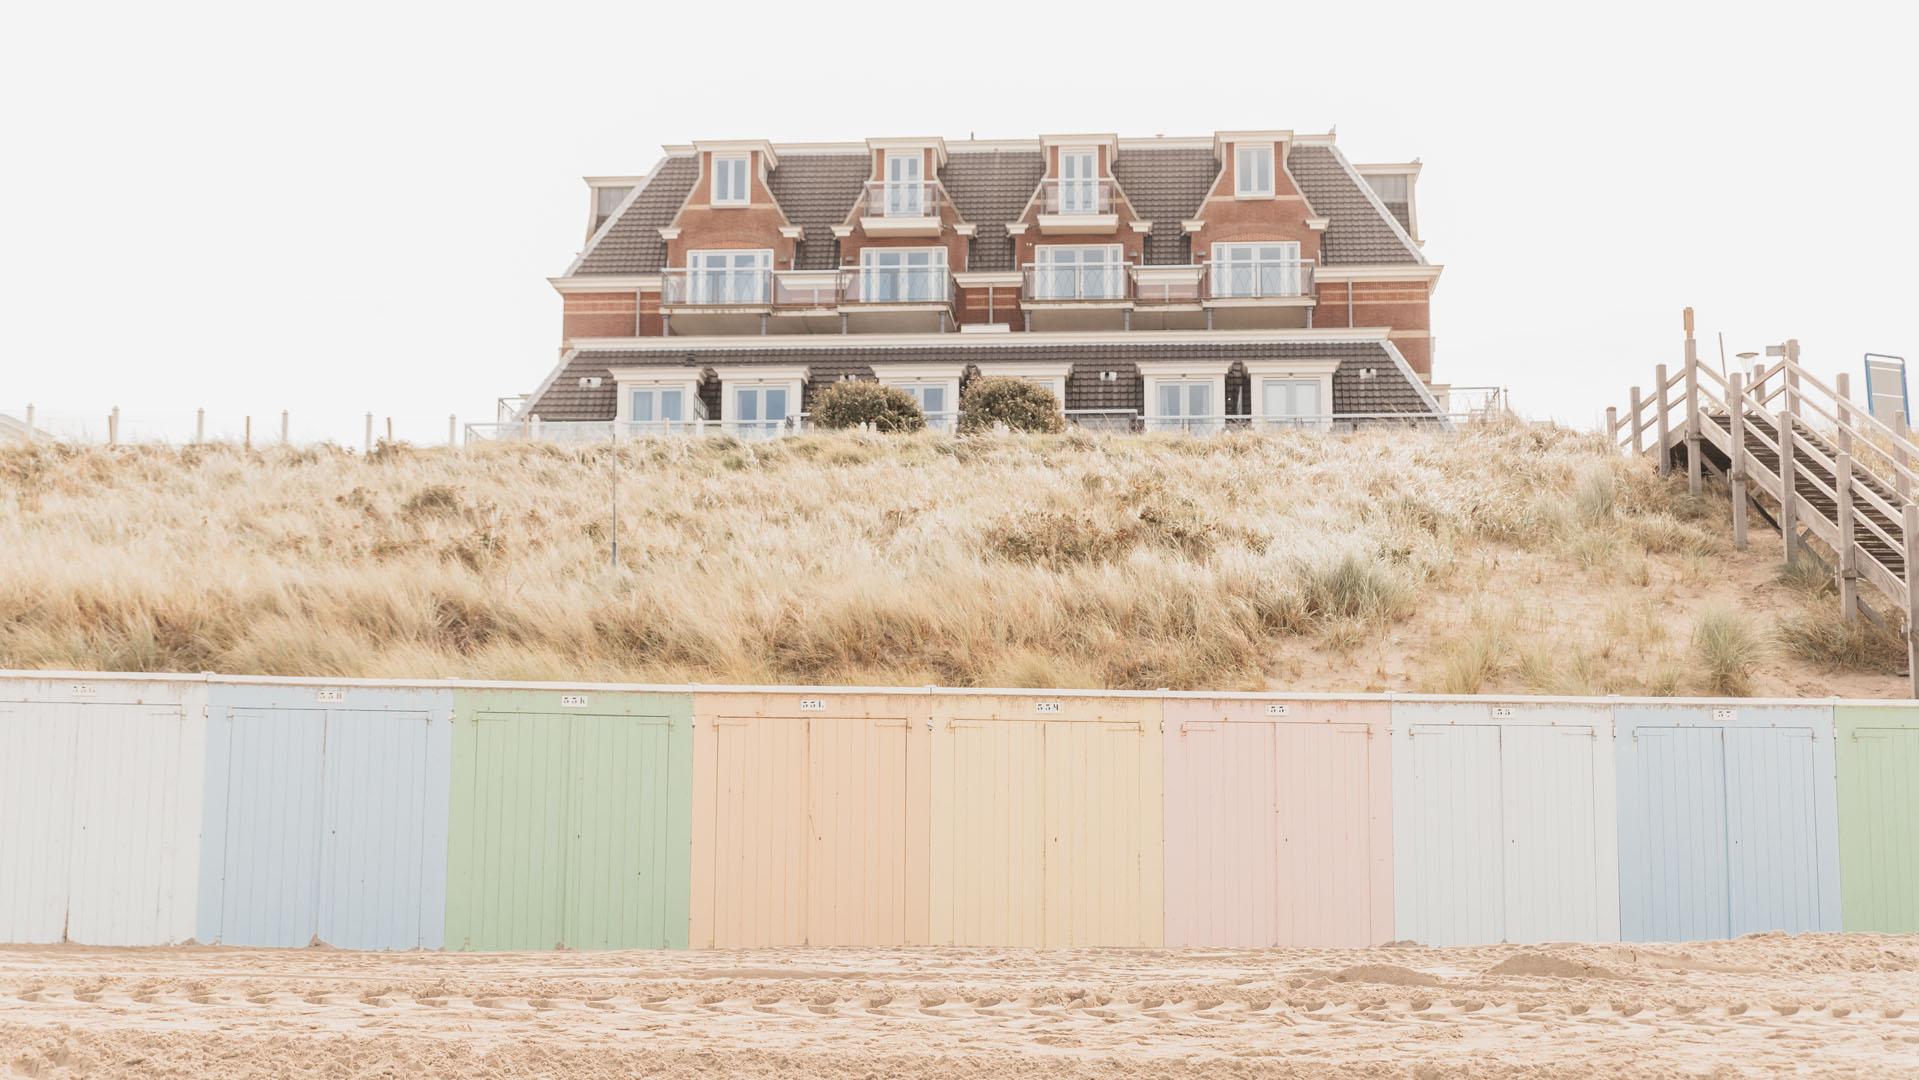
(1077,197)
(904,198)
(897,285)
(716,288)
(1077,281)
(1259,280)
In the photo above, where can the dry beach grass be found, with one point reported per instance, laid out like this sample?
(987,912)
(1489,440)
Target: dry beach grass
(1505,557)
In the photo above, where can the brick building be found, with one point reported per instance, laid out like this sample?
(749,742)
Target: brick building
(1249,276)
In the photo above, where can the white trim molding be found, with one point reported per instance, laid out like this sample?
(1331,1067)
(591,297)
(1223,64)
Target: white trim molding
(1153,373)
(769,159)
(792,232)
(665,376)
(606,283)
(1426,272)
(774,343)
(669,233)
(1260,372)
(923,143)
(1194,225)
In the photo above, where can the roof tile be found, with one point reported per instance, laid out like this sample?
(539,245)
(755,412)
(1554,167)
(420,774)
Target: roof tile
(1356,231)
(632,244)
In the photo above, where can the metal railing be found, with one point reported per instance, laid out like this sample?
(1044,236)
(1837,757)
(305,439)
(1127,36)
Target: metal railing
(904,199)
(680,286)
(1077,196)
(1131,421)
(1077,281)
(1257,280)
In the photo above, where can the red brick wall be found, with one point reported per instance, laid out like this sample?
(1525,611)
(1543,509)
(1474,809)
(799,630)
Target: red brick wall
(1404,307)
(1230,219)
(591,315)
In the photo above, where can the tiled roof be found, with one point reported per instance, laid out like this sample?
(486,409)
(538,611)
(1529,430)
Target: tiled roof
(1166,187)
(817,191)
(1385,390)
(1401,210)
(1356,232)
(632,244)
(990,188)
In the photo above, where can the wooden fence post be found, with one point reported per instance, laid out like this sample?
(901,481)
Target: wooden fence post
(1692,408)
(113,427)
(1660,405)
(369,433)
(1842,408)
(1612,425)
(452,429)
(1632,412)
(1909,521)
(1788,485)
(200,425)
(1792,375)
(1736,383)
(30,434)
(246,437)
(1899,481)
(283,427)
(1848,571)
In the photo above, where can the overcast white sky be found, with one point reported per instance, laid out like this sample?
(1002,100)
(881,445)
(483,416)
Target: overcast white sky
(342,207)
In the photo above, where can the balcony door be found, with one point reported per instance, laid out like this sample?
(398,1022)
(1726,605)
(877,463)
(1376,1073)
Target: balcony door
(1079,181)
(905,185)
(902,275)
(759,411)
(1256,270)
(728,277)
(1291,402)
(1185,403)
(1090,272)
(662,406)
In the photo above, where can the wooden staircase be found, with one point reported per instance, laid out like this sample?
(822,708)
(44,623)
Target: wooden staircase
(1815,466)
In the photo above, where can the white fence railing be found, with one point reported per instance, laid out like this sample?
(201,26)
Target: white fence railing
(119,427)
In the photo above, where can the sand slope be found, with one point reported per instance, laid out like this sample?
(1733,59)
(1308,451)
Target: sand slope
(1840,1005)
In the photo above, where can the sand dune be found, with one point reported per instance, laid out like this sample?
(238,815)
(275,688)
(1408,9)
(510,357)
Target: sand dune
(1839,1005)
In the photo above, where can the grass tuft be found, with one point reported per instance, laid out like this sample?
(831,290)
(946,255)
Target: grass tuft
(1727,649)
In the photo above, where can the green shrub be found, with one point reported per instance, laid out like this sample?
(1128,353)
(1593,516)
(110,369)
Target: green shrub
(853,403)
(1019,404)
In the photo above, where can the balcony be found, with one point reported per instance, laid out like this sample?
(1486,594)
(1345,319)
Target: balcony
(1078,208)
(891,299)
(902,208)
(1259,295)
(1169,297)
(715,301)
(1077,296)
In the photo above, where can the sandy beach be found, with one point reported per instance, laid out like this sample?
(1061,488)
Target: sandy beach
(1830,1005)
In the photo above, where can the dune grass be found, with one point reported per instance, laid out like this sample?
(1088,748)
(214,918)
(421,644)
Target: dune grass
(1063,560)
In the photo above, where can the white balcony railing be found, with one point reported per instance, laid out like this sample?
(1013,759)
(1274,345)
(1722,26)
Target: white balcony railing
(1076,281)
(680,286)
(1256,280)
(904,198)
(1068,197)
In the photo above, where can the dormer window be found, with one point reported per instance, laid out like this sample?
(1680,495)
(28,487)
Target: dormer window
(1253,172)
(730,179)
(1079,181)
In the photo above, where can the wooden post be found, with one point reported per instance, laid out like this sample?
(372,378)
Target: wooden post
(1612,425)
(1792,375)
(1788,485)
(1633,410)
(1736,385)
(1692,408)
(389,430)
(369,433)
(200,425)
(1909,522)
(1899,481)
(113,427)
(1842,408)
(1848,570)
(1660,405)
(30,437)
(452,429)
(283,427)
(246,436)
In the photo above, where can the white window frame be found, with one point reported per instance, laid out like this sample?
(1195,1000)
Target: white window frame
(1258,374)
(762,264)
(735,377)
(869,270)
(894,205)
(1088,184)
(1243,190)
(1046,257)
(1183,372)
(1051,376)
(910,376)
(629,379)
(721,166)
(1222,257)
